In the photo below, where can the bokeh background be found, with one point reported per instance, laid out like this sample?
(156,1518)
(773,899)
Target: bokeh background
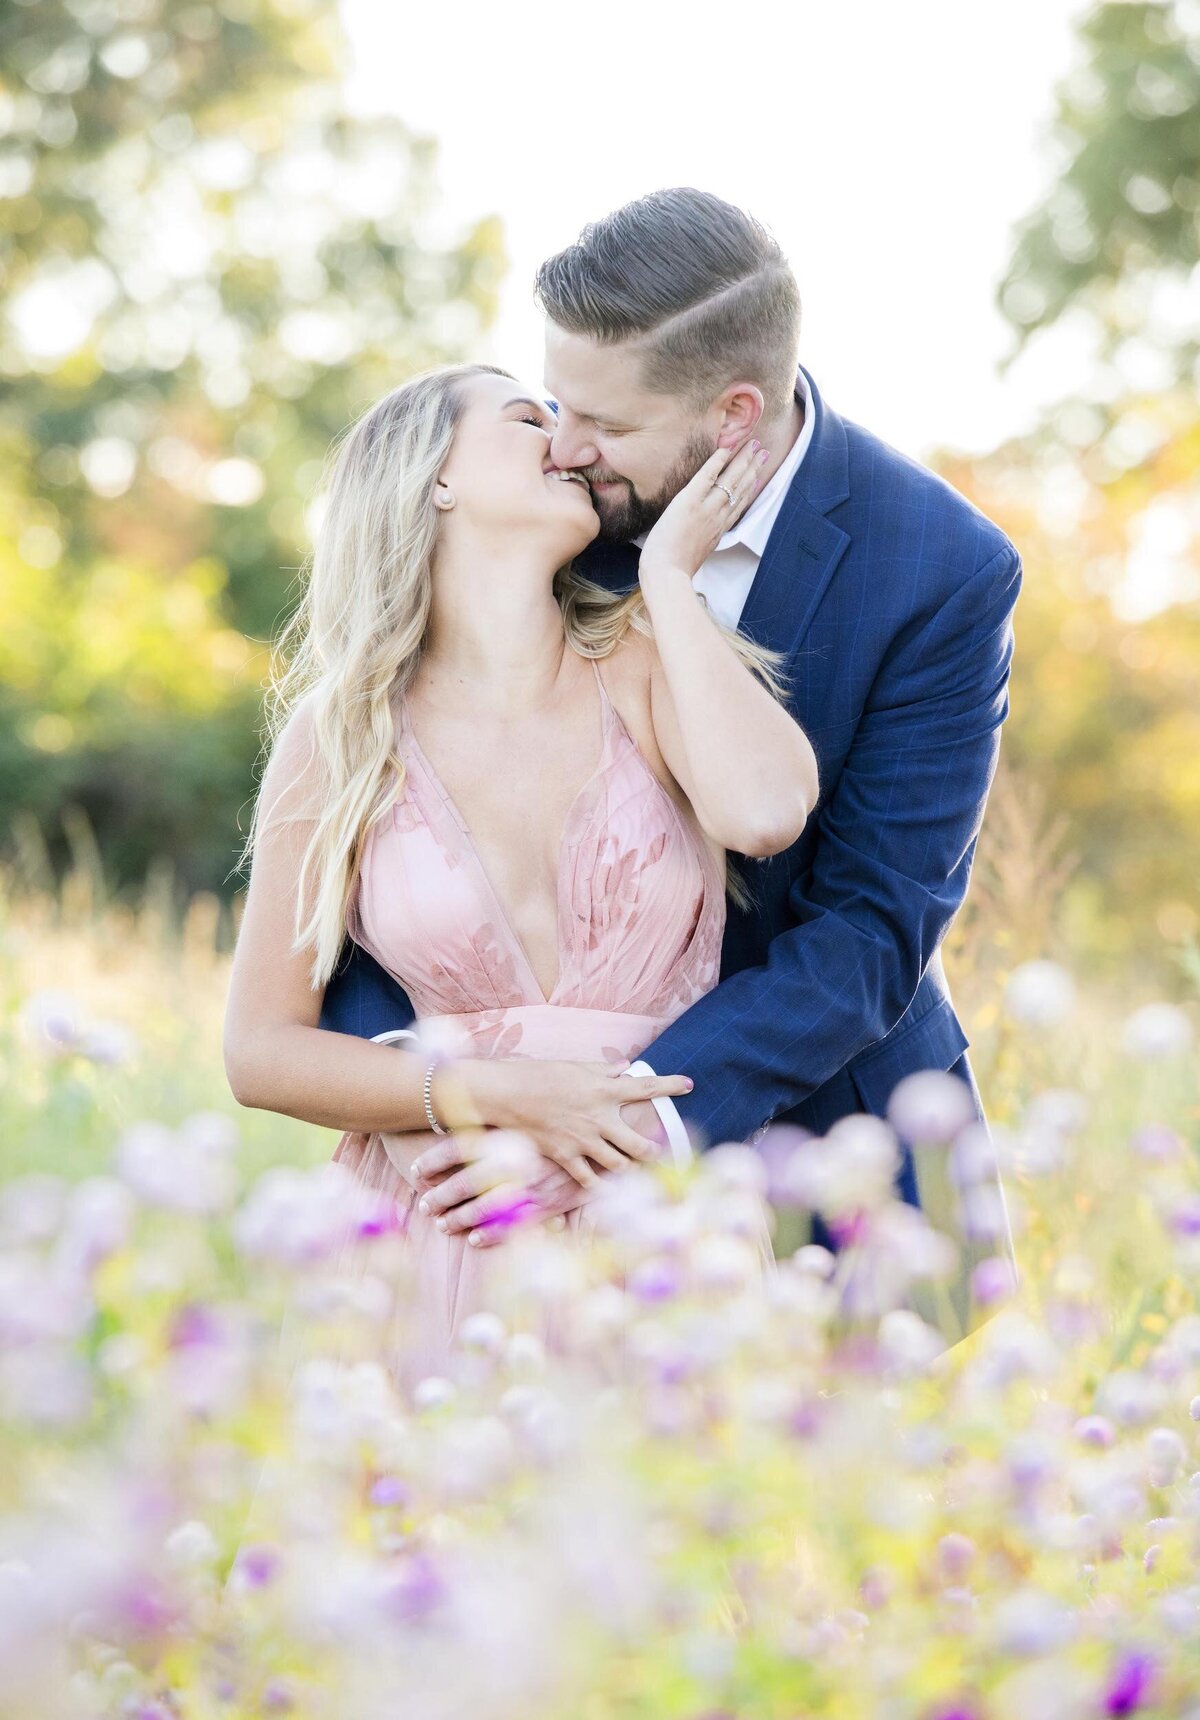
(225,228)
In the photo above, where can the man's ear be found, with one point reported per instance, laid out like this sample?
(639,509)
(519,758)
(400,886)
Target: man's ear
(742,406)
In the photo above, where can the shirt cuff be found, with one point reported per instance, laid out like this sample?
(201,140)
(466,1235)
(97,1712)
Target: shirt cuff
(677,1136)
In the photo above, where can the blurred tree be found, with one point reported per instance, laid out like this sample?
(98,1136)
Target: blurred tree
(1104,501)
(209,268)
(1105,726)
(1118,237)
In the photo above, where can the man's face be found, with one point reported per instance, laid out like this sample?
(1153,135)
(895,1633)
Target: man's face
(636,449)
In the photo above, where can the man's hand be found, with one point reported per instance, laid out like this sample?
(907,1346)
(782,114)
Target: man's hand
(469,1187)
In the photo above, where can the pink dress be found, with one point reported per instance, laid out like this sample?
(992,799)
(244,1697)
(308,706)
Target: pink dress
(641,914)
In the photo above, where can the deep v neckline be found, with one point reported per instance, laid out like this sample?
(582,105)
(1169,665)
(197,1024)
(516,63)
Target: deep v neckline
(608,720)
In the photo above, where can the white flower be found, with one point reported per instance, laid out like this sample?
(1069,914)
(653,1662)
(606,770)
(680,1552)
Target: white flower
(1156,1031)
(433,1392)
(108,1042)
(1032,1622)
(983,1215)
(851,1168)
(53,1019)
(1165,1453)
(31,1208)
(724,1263)
(483,1331)
(1060,1109)
(930,1107)
(191,1544)
(973,1156)
(169,1170)
(906,1343)
(734,1167)
(1039,994)
(45,1385)
(99,1220)
(298,1217)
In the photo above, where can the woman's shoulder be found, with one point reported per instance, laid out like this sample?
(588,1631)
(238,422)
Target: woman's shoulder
(632,663)
(293,775)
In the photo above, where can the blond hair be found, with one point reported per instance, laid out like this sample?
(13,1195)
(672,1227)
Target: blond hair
(351,648)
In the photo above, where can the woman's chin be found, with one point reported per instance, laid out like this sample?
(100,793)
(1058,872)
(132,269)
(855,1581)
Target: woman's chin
(586,531)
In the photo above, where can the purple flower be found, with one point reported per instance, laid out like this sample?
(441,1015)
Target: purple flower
(258,1565)
(993,1280)
(390,1490)
(1095,1430)
(1156,1143)
(956,1554)
(1185,1219)
(416,1588)
(655,1280)
(191,1325)
(1130,1683)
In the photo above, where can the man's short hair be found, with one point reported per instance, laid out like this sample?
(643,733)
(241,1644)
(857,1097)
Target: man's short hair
(699,287)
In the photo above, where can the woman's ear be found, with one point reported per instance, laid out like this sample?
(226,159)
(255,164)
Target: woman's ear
(443,497)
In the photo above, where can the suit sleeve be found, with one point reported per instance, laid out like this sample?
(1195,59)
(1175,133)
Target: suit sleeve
(893,854)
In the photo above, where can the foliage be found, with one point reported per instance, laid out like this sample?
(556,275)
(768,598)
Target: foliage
(1105,693)
(206,278)
(1118,235)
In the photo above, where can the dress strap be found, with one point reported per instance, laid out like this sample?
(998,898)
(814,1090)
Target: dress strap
(607,709)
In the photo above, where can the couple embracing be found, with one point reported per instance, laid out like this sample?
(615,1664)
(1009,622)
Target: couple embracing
(629,759)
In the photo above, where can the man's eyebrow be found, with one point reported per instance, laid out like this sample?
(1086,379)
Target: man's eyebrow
(601,418)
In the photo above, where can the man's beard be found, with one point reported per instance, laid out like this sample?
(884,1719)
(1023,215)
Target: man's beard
(625,515)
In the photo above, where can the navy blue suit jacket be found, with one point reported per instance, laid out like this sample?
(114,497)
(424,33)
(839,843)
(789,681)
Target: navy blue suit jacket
(890,597)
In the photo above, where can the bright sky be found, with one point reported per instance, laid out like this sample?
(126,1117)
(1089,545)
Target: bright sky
(889,146)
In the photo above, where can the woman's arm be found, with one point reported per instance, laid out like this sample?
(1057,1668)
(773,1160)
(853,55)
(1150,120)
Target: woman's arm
(278,1059)
(740,757)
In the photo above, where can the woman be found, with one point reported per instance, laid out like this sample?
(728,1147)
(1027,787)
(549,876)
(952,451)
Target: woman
(515,790)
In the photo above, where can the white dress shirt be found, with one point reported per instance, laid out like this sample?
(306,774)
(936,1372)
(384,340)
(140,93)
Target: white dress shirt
(724,584)
(725,579)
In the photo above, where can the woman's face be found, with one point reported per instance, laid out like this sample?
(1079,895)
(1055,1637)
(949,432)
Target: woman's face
(500,476)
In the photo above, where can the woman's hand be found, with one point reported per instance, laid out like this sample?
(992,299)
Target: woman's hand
(693,524)
(466,1188)
(571,1112)
(487,1180)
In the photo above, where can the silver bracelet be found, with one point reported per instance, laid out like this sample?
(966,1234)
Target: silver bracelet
(427,1096)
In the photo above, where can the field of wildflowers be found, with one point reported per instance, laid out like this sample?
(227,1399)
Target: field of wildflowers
(714,1494)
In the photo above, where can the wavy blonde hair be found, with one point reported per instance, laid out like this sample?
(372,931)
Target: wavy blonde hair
(351,648)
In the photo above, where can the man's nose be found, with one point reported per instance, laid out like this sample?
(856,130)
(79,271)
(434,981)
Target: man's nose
(569,450)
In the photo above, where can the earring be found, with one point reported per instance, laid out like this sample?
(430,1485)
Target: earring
(446,504)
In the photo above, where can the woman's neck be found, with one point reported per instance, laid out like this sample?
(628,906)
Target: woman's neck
(495,629)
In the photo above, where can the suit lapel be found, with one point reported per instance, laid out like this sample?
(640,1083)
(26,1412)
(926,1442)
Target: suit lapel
(805,547)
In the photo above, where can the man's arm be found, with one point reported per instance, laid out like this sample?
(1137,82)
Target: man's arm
(362,998)
(893,855)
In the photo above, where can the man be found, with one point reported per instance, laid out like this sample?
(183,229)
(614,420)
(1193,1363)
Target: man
(673,327)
